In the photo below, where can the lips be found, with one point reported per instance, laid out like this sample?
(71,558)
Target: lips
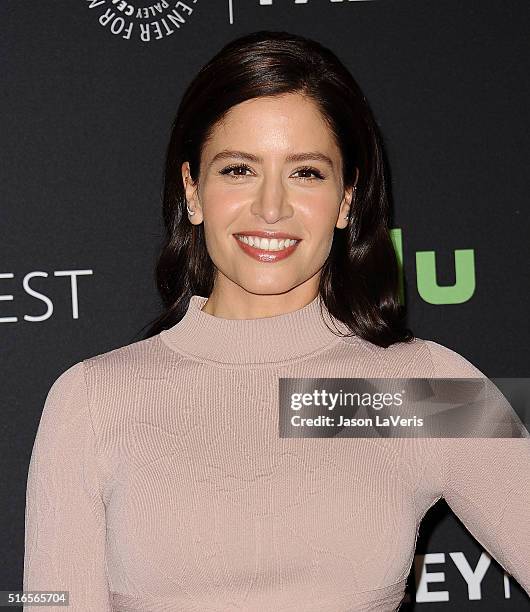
(267,234)
(263,255)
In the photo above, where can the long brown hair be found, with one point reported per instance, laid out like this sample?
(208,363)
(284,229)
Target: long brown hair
(359,280)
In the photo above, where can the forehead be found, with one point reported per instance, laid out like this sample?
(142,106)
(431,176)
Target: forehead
(275,125)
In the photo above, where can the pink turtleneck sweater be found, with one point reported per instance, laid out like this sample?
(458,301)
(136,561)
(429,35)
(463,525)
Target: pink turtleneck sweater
(158,481)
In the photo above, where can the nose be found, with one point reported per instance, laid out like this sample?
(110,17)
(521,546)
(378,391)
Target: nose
(271,201)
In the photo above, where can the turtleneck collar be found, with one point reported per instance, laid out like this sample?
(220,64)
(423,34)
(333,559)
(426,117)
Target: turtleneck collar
(283,337)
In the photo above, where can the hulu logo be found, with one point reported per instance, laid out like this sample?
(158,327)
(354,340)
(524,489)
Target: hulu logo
(426,280)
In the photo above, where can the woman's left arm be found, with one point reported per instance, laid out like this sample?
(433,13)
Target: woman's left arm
(486,481)
(487,485)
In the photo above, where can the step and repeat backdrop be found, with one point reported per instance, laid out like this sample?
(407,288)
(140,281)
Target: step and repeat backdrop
(90,88)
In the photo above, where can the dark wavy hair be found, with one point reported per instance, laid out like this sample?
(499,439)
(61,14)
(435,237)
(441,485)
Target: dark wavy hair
(359,282)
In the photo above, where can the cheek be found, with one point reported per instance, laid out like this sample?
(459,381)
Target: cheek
(319,214)
(220,208)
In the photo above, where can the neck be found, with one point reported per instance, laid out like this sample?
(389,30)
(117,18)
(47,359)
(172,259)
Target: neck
(232,302)
(283,337)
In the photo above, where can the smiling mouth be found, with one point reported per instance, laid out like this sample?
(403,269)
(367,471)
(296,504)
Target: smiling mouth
(267,244)
(267,250)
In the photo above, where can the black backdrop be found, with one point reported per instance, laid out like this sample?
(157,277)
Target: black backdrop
(88,96)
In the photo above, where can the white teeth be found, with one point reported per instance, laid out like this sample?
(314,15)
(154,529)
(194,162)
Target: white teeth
(267,244)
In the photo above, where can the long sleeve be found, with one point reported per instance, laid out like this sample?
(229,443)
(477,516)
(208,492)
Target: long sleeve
(65,527)
(486,483)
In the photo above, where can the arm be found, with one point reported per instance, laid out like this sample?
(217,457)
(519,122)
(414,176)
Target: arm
(65,527)
(486,482)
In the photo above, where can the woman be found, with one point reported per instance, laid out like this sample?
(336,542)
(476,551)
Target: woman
(158,480)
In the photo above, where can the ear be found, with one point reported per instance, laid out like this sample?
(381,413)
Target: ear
(344,209)
(347,202)
(191,190)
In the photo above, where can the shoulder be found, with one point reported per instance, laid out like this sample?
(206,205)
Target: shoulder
(129,359)
(65,416)
(418,357)
(450,363)
(119,370)
(94,391)
(66,395)
(143,359)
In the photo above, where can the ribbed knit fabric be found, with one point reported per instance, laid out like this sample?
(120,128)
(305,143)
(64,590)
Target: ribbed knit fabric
(158,481)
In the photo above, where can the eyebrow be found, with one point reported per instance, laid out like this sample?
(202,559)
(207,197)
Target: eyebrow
(293,157)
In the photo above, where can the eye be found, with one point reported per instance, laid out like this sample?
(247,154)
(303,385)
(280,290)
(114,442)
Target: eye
(317,173)
(243,167)
(228,169)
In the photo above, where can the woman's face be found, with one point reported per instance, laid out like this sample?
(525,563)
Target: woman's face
(248,183)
